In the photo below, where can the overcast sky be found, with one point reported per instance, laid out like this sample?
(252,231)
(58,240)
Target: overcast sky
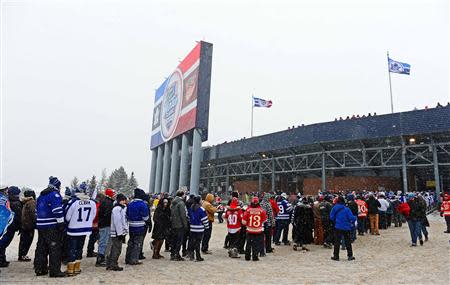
(78,77)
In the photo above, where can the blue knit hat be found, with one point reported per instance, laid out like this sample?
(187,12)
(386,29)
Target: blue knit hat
(13,191)
(54,183)
(68,192)
(140,194)
(83,187)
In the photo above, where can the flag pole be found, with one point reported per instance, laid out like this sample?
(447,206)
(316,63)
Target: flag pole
(390,85)
(251,131)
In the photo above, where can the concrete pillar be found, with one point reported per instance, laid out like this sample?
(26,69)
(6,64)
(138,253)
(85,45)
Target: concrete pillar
(174,167)
(184,161)
(437,179)
(324,177)
(153,171)
(196,160)
(273,175)
(227,177)
(404,172)
(159,168)
(166,169)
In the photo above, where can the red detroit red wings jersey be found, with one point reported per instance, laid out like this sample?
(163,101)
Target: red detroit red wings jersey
(254,219)
(234,220)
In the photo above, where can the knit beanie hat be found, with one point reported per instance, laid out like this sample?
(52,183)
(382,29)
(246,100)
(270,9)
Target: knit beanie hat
(120,197)
(54,183)
(110,193)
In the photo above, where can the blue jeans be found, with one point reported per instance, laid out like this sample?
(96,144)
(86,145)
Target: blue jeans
(76,244)
(424,231)
(103,240)
(415,229)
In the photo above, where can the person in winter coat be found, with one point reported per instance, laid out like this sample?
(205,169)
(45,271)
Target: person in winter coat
(9,216)
(353,206)
(118,231)
(344,221)
(282,220)
(51,227)
(445,211)
(93,238)
(138,216)
(79,216)
(303,222)
(414,219)
(161,230)
(178,219)
(318,227)
(362,215)
(423,217)
(104,225)
(269,225)
(28,224)
(234,216)
(397,217)
(254,218)
(325,210)
(198,223)
(373,205)
(15,226)
(210,210)
(382,211)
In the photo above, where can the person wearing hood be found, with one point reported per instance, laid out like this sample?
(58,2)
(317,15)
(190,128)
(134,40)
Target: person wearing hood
(269,224)
(16,208)
(118,231)
(28,224)
(161,231)
(303,222)
(138,216)
(178,218)
(254,218)
(318,227)
(445,212)
(79,216)
(198,221)
(344,222)
(104,225)
(233,216)
(210,210)
(51,227)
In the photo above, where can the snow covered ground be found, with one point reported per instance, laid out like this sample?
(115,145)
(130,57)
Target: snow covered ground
(385,259)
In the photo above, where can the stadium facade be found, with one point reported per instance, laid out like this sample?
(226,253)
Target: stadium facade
(405,151)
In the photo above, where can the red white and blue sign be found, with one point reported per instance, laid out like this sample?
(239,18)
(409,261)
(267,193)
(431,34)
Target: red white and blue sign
(177,99)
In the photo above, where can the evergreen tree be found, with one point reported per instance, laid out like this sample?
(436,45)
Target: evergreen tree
(131,185)
(102,184)
(118,180)
(92,184)
(75,182)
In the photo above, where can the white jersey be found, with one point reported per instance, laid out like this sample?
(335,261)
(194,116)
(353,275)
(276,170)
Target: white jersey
(80,214)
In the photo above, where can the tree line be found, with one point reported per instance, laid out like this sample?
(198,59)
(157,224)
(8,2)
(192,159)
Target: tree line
(117,180)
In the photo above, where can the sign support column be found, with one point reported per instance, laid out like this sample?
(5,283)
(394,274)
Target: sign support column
(166,168)
(174,165)
(184,161)
(196,160)
(159,166)
(153,171)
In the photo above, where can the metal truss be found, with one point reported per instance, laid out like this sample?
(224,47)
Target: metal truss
(420,155)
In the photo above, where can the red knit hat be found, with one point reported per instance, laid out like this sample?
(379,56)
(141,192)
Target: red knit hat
(255,200)
(110,193)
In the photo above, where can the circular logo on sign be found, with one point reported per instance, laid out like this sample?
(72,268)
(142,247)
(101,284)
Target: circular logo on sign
(171,105)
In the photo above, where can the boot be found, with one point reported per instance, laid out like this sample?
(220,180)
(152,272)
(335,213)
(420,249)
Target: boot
(158,247)
(70,269)
(155,250)
(101,262)
(77,267)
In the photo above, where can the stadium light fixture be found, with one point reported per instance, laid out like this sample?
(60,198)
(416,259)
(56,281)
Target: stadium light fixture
(412,141)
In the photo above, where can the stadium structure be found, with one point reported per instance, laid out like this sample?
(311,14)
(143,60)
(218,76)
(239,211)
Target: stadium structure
(404,151)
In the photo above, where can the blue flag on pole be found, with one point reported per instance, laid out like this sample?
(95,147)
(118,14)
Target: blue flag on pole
(398,67)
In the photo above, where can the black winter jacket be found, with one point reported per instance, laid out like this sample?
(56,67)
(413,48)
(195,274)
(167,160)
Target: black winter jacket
(104,212)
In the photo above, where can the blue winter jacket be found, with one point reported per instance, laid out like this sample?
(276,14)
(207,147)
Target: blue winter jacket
(49,211)
(137,214)
(342,217)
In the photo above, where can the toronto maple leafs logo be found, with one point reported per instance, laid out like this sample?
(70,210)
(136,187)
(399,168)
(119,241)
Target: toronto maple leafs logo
(171,105)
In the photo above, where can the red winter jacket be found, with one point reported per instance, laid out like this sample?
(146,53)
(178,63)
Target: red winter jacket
(404,209)
(275,208)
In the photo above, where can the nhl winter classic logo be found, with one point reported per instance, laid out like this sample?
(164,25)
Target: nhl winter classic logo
(171,105)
